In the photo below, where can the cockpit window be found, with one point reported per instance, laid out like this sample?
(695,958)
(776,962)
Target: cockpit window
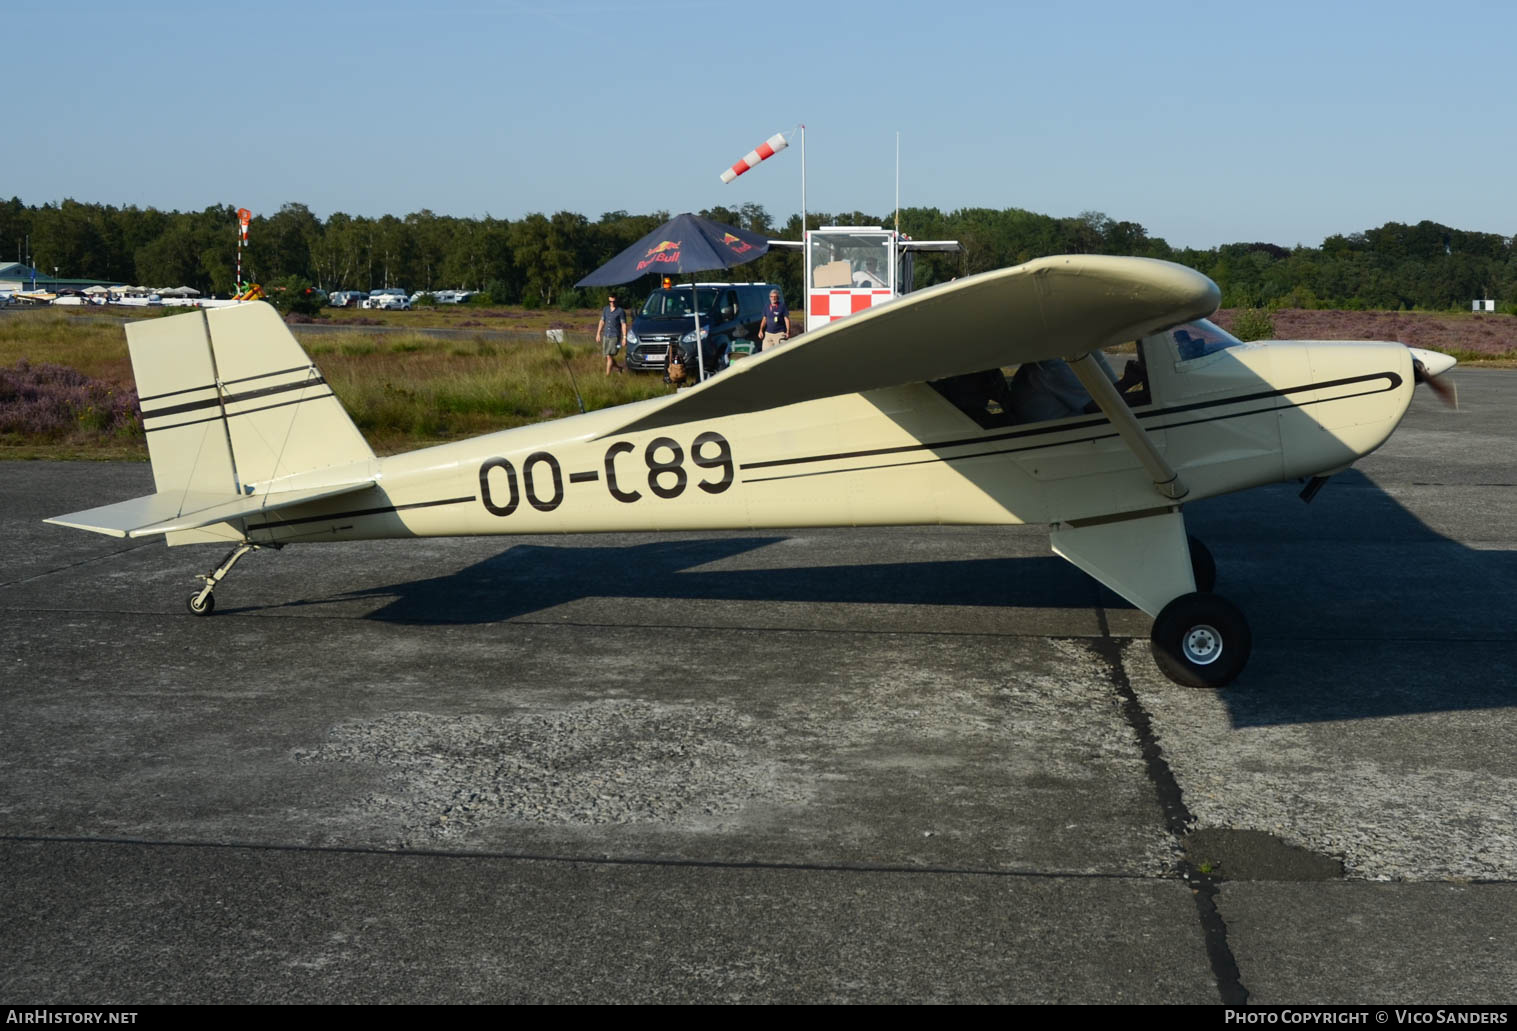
(1200,338)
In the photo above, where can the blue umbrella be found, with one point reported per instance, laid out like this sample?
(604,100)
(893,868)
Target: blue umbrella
(685,244)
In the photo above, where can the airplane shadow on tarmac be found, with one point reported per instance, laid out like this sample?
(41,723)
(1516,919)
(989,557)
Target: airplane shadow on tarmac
(1358,608)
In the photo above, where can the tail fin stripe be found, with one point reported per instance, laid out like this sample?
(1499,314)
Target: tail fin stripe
(266,375)
(280,388)
(177,425)
(231,399)
(233,415)
(175,393)
(209,397)
(183,407)
(281,404)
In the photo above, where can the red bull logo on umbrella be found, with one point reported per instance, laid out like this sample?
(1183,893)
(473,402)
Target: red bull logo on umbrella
(666,250)
(735,245)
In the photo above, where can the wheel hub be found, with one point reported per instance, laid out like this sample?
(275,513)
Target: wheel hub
(1202,644)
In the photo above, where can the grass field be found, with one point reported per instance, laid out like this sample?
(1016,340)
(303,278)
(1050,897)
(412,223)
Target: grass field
(407,390)
(66,388)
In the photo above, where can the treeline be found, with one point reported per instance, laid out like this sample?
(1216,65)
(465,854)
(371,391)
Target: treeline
(535,260)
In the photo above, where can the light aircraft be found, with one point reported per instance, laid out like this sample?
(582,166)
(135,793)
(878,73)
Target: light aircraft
(897,415)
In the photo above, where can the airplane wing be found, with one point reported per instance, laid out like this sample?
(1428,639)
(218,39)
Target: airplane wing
(188,510)
(1059,307)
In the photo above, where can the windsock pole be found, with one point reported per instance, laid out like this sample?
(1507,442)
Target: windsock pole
(803,182)
(244,216)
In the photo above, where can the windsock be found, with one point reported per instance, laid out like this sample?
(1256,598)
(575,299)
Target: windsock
(244,216)
(770,147)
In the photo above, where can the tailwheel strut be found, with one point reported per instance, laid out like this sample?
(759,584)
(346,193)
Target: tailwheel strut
(203,602)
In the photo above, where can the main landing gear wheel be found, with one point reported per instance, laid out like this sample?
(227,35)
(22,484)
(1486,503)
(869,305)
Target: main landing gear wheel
(199,607)
(1202,565)
(1201,640)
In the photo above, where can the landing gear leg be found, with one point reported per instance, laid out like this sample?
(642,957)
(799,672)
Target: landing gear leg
(203,602)
(1198,639)
(1202,565)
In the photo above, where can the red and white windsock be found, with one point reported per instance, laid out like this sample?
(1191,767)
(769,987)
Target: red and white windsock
(770,147)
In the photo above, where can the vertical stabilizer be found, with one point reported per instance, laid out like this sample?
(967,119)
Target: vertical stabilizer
(231,402)
(181,410)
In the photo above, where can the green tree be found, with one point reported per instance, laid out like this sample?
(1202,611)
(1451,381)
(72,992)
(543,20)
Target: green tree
(294,294)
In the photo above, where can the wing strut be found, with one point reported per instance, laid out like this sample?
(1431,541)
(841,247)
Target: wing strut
(1166,481)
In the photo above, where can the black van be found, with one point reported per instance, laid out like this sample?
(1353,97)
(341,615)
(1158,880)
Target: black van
(731,314)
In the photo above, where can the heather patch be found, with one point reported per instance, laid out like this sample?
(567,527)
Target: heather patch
(55,403)
(1467,336)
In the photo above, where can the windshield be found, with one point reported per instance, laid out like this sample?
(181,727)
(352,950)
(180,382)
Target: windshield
(858,260)
(671,304)
(1200,338)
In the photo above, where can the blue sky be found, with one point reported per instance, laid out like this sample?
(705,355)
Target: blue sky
(1207,123)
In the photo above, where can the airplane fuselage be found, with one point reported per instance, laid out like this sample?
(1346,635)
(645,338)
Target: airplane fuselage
(1247,416)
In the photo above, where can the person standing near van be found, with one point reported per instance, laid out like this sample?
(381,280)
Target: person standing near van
(775,329)
(611,333)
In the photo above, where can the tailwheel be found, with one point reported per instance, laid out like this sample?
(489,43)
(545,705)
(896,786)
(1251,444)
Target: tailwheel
(203,602)
(1201,640)
(1202,565)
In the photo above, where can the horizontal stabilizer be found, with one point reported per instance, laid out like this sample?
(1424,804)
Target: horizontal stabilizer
(167,512)
(1061,307)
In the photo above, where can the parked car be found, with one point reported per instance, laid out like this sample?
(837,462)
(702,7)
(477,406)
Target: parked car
(346,298)
(730,317)
(390,298)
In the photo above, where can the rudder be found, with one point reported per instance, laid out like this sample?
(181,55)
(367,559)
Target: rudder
(231,401)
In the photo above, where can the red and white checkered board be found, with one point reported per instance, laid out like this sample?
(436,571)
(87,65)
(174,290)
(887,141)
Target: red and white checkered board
(831,305)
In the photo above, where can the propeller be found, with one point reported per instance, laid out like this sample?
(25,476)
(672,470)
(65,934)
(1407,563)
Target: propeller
(1427,366)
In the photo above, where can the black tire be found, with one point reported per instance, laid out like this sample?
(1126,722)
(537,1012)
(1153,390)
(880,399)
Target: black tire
(199,608)
(1201,640)
(1203,566)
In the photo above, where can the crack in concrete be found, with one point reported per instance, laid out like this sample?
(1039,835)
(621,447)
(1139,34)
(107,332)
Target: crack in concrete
(1178,820)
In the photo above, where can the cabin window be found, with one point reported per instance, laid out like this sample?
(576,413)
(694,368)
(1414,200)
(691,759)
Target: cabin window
(1200,338)
(1037,392)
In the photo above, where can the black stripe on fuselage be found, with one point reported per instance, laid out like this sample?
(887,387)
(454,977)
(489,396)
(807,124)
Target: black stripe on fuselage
(358,512)
(1393,381)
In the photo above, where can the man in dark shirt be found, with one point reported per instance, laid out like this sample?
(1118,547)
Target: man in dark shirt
(775,328)
(611,334)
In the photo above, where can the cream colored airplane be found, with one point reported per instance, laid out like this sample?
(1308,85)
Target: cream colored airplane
(899,415)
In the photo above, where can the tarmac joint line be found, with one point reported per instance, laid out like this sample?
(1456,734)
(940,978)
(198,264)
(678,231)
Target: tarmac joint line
(1178,820)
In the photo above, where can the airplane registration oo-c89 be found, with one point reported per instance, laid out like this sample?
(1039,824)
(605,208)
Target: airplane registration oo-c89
(899,415)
